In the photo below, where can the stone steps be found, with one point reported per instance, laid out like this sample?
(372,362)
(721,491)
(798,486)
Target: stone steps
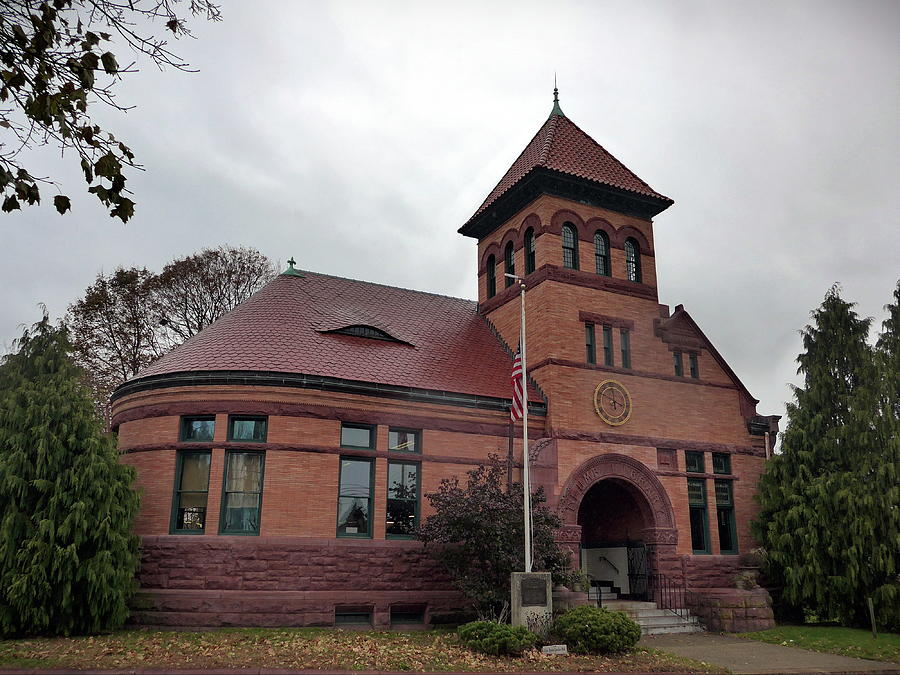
(655,621)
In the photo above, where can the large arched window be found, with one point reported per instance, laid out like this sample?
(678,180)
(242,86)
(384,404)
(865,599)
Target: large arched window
(529,251)
(570,246)
(491,276)
(601,252)
(509,263)
(632,260)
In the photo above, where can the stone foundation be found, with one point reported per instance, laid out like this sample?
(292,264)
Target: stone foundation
(732,610)
(287,581)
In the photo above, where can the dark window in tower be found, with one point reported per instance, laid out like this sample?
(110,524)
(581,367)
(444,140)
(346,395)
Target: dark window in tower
(590,343)
(491,276)
(570,246)
(529,251)
(509,263)
(632,260)
(601,252)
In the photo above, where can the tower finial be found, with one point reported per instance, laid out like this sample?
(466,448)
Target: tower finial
(556,109)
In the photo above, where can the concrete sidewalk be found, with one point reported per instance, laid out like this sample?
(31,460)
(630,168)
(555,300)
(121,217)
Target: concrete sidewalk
(748,657)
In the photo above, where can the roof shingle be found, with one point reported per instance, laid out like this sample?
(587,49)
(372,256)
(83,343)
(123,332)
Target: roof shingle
(560,145)
(282,328)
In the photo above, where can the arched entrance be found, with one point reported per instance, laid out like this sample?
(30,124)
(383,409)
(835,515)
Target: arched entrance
(623,518)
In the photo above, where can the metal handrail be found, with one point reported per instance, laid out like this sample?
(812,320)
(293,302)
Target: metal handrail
(669,594)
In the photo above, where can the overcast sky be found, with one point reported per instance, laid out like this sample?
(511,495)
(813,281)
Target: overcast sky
(358,136)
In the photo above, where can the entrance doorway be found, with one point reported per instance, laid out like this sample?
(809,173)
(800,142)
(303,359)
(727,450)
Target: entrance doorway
(614,517)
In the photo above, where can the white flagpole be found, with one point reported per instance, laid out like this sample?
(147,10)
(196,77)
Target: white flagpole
(526,483)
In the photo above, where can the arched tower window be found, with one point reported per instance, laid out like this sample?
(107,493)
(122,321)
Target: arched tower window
(491,276)
(632,260)
(570,246)
(529,250)
(601,252)
(509,263)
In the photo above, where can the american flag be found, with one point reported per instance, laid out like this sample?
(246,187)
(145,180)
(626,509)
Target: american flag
(518,385)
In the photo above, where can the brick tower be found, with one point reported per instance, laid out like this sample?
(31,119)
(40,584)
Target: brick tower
(637,397)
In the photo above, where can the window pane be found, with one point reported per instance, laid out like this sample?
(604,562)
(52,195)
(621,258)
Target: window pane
(198,429)
(696,492)
(244,429)
(195,472)
(698,530)
(241,512)
(607,346)
(353,515)
(726,529)
(626,348)
(191,516)
(355,478)
(491,277)
(693,462)
(356,437)
(591,352)
(723,493)
(401,517)
(695,370)
(721,463)
(403,439)
(244,472)
(402,483)
(679,365)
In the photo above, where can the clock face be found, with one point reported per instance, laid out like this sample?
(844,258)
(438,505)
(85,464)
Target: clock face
(612,402)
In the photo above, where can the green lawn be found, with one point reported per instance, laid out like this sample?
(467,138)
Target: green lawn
(833,639)
(309,648)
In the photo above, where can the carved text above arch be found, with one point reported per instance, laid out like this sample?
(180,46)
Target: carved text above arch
(622,468)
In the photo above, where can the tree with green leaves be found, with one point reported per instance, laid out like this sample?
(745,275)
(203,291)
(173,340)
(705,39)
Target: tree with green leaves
(67,553)
(57,65)
(829,520)
(477,533)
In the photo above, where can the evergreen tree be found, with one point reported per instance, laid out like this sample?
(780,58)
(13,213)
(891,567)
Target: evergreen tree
(829,517)
(67,554)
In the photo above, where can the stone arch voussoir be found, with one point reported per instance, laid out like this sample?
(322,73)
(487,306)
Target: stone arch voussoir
(627,470)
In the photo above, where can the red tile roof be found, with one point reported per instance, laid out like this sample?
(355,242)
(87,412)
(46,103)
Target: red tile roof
(447,346)
(560,145)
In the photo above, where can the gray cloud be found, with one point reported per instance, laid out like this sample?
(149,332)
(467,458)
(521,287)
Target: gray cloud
(359,136)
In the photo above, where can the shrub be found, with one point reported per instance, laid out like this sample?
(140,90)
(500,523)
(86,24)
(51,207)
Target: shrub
(593,630)
(490,637)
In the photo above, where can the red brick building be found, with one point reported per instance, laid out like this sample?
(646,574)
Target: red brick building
(283,453)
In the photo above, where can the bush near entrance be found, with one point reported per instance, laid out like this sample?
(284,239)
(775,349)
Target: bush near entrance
(496,639)
(594,630)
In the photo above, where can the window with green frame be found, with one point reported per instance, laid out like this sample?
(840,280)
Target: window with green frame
(679,363)
(402,514)
(354,517)
(725,516)
(607,346)
(699,516)
(695,368)
(247,429)
(404,440)
(721,463)
(357,436)
(242,492)
(590,345)
(693,462)
(625,339)
(191,493)
(197,428)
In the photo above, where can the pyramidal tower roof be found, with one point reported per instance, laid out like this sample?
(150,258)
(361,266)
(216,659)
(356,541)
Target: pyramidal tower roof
(560,147)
